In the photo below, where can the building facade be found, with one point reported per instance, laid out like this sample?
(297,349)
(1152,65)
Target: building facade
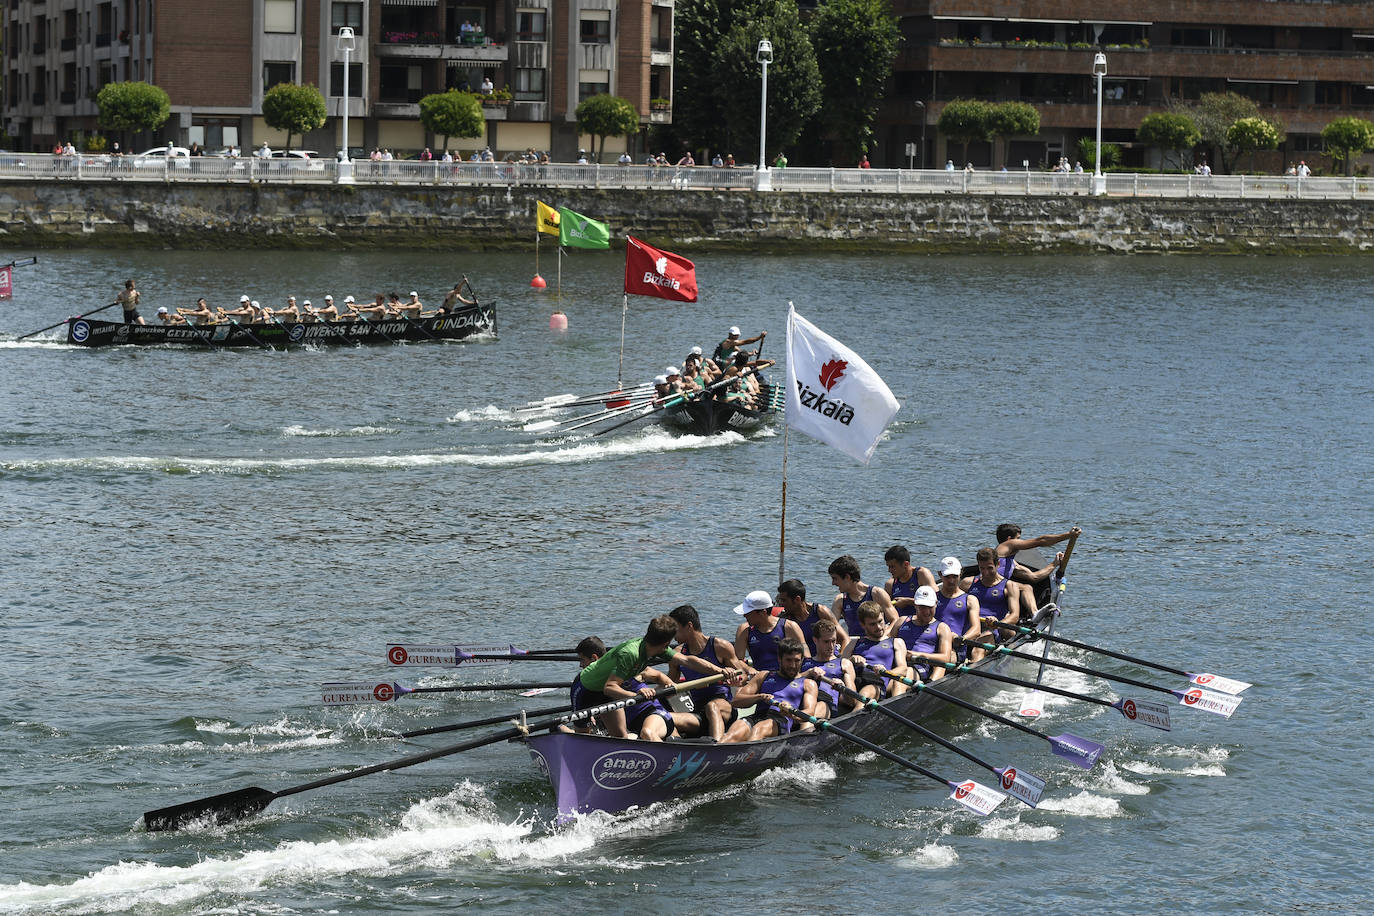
(1304,62)
(216,59)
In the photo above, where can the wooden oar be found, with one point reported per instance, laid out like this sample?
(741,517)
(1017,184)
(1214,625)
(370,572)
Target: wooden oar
(1222,704)
(977,798)
(1071,747)
(232,806)
(66,320)
(344,693)
(1034,702)
(1020,784)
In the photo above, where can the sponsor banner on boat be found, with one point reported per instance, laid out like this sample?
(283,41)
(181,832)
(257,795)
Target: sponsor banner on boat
(623,769)
(1208,701)
(977,797)
(1217,682)
(1147,712)
(343,693)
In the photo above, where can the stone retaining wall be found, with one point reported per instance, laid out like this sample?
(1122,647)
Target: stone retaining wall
(70,214)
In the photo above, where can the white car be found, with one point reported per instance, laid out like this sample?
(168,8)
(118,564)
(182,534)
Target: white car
(299,159)
(158,155)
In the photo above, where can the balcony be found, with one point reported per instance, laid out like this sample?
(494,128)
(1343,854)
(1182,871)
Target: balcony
(395,109)
(431,46)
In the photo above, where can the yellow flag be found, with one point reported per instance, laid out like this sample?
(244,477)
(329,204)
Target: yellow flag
(548,218)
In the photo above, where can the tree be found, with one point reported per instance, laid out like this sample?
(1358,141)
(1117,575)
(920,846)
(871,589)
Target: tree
(965,120)
(1346,138)
(698,26)
(1087,154)
(603,116)
(855,43)
(293,108)
(1214,113)
(1252,134)
(133,106)
(452,114)
(1171,131)
(794,79)
(1013,119)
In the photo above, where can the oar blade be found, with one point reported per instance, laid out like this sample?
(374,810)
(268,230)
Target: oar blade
(1222,704)
(1145,712)
(347,693)
(217,809)
(1022,785)
(540,426)
(409,654)
(1217,682)
(976,797)
(1077,750)
(1032,705)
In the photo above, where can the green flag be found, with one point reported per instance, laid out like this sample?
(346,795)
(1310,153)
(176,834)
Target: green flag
(578,231)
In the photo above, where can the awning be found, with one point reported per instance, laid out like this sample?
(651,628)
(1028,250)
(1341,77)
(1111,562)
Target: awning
(410,2)
(1265,82)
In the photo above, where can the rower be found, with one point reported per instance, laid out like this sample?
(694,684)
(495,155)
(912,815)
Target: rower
(725,350)
(455,296)
(394,304)
(761,633)
(261,313)
(901,587)
(308,313)
(714,714)
(350,312)
(128,297)
(1010,542)
(925,637)
(806,614)
(588,650)
(290,312)
(661,390)
(167,317)
(876,647)
(844,575)
(328,312)
(373,312)
(694,377)
(674,379)
(956,607)
(649,720)
(787,685)
(602,681)
(244,311)
(999,599)
(828,700)
(412,307)
(201,314)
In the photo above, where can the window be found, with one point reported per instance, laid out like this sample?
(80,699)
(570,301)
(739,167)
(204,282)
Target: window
(346,14)
(595,27)
(593,82)
(529,25)
(279,15)
(529,85)
(274,72)
(355,80)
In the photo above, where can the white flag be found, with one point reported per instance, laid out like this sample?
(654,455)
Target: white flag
(832,394)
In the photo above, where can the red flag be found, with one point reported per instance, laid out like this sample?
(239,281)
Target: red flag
(650,272)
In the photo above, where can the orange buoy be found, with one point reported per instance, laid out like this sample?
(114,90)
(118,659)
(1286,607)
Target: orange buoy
(538,282)
(558,322)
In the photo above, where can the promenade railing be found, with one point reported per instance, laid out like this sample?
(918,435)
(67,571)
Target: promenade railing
(668,179)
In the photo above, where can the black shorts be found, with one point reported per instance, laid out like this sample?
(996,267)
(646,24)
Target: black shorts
(866,676)
(131,317)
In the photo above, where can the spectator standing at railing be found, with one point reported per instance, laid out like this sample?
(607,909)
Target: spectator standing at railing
(487,87)
(949,165)
(717,162)
(196,150)
(625,158)
(781,161)
(1303,170)
(448,156)
(426,155)
(581,157)
(863,163)
(687,159)
(729,160)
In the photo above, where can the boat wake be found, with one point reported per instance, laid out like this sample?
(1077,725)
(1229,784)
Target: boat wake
(297,430)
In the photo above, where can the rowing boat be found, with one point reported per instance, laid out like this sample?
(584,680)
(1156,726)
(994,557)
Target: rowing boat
(464,322)
(706,416)
(601,773)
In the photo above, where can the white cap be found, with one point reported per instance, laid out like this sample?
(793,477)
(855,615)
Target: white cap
(243,298)
(925,596)
(696,351)
(671,371)
(734,331)
(255,304)
(328,298)
(162,310)
(414,294)
(757,600)
(950,566)
(660,379)
(348,298)
(306,302)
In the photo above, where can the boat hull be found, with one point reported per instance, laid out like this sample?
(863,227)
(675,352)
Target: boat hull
(91,332)
(707,416)
(600,773)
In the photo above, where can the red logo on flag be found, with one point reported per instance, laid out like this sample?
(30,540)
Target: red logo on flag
(651,272)
(1128,708)
(832,372)
(383,692)
(397,655)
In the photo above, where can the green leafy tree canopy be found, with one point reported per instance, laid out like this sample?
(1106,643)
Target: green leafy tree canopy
(1013,119)
(966,120)
(603,116)
(855,43)
(293,108)
(1346,138)
(452,114)
(1214,113)
(1171,131)
(133,106)
(1252,134)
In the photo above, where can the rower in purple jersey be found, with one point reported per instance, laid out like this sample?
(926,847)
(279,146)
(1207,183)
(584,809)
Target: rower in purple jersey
(1009,542)
(999,598)
(713,712)
(879,649)
(759,635)
(805,614)
(785,685)
(901,587)
(651,720)
(927,639)
(954,606)
(844,575)
(828,701)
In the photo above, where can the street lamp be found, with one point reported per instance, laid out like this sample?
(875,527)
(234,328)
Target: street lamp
(346,44)
(922,105)
(765,57)
(1099,71)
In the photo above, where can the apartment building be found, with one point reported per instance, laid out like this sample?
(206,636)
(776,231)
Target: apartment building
(1304,61)
(216,58)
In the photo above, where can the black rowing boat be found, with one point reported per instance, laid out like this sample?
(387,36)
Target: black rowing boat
(705,416)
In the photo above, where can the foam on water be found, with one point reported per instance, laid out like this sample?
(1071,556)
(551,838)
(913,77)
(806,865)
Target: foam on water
(333,432)
(652,441)
(491,413)
(1150,769)
(1084,804)
(1106,779)
(807,774)
(1002,827)
(930,856)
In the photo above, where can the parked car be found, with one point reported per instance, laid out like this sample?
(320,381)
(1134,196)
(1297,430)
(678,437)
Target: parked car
(155,157)
(299,159)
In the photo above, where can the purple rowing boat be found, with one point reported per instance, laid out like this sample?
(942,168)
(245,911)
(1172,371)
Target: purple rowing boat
(600,773)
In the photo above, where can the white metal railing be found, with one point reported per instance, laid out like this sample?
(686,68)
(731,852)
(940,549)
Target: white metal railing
(97,167)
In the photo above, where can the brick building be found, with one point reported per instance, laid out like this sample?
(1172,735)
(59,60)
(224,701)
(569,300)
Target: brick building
(216,59)
(1304,61)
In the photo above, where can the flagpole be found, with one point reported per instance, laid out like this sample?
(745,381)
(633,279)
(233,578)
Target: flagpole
(560,269)
(536,252)
(620,367)
(782,533)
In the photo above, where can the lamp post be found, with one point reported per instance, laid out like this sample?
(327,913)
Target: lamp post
(1099,71)
(922,105)
(765,57)
(346,44)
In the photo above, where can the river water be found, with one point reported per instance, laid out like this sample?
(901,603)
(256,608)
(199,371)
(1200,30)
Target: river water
(194,541)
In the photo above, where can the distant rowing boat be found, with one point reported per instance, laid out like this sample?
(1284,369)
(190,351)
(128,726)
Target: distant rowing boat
(465,322)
